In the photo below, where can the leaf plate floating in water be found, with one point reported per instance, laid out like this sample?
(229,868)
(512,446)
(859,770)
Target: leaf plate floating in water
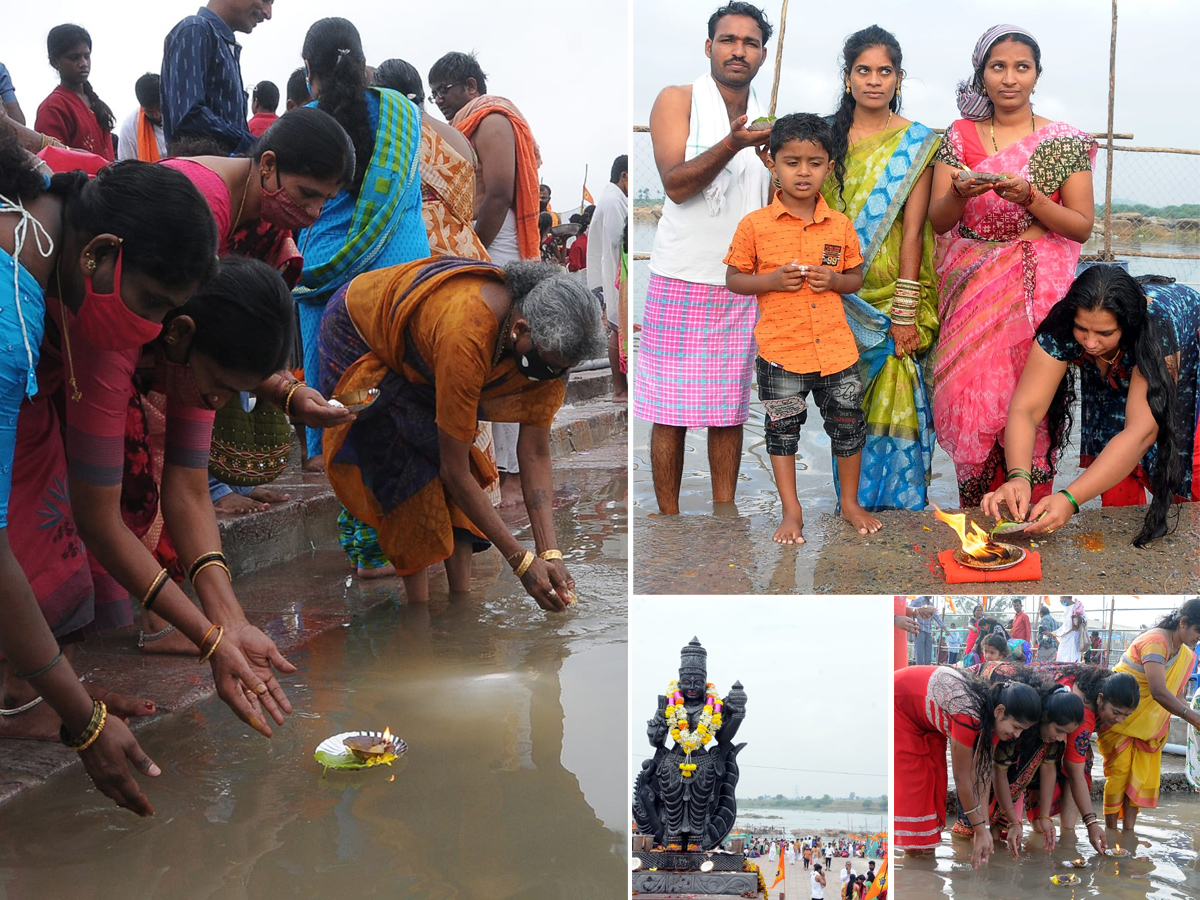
(332,753)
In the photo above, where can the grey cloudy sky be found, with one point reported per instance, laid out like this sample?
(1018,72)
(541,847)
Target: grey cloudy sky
(1156,42)
(817,676)
(539,54)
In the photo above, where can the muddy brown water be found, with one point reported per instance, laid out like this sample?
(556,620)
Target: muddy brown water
(514,784)
(1164,866)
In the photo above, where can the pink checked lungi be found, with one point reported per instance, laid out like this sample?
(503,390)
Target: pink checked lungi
(695,360)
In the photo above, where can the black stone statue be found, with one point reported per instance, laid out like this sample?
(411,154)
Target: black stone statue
(697,808)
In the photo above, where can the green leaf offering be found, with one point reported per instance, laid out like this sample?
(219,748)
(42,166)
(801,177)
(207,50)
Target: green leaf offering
(762,123)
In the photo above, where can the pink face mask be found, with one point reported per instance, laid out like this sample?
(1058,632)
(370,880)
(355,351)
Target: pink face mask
(281,210)
(105,321)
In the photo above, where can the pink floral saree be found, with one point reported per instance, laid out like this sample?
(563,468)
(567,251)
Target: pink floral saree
(994,291)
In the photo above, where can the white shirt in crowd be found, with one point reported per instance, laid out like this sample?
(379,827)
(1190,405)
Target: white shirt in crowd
(847,874)
(1069,649)
(127,138)
(604,245)
(818,889)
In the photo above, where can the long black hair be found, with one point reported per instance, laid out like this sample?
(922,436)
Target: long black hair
(308,142)
(245,317)
(1190,611)
(1118,688)
(984,627)
(1113,290)
(60,40)
(1020,701)
(843,116)
(333,51)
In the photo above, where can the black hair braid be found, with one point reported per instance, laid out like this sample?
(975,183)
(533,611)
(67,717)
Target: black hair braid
(843,117)
(100,109)
(18,179)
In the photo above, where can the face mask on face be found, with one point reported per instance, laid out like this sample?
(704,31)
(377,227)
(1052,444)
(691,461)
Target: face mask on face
(106,322)
(535,368)
(281,210)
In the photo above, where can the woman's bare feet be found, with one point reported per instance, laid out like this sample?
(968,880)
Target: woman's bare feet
(313,464)
(237,505)
(510,490)
(172,643)
(41,723)
(264,494)
(791,530)
(862,520)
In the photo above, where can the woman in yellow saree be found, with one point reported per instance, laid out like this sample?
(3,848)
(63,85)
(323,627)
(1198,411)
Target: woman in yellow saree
(882,180)
(1161,660)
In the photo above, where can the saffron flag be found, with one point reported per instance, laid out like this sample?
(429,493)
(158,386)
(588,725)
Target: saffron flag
(779,872)
(587,195)
(880,884)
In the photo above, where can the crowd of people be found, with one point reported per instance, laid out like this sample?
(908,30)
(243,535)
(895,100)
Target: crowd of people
(195,260)
(856,255)
(1022,737)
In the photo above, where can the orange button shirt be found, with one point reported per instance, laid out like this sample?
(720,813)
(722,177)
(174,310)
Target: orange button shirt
(802,331)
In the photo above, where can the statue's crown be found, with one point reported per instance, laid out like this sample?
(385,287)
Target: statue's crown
(693,657)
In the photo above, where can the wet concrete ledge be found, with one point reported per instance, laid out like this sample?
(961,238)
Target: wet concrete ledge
(1092,554)
(302,533)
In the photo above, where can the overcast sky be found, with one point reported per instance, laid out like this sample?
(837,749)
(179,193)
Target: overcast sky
(1156,42)
(541,55)
(816,674)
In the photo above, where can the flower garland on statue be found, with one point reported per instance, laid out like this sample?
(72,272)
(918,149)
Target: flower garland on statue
(681,732)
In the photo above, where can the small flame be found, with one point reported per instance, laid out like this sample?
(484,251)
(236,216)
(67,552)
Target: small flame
(387,735)
(975,543)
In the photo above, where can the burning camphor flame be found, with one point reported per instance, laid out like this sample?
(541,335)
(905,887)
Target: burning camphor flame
(975,543)
(387,735)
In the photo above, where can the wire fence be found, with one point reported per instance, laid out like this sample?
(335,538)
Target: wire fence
(1152,224)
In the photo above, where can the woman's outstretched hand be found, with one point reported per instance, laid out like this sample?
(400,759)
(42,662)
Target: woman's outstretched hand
(108,761)
(547,586)
(244,667)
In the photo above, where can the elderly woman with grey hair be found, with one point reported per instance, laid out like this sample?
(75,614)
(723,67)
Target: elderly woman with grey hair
(447,341)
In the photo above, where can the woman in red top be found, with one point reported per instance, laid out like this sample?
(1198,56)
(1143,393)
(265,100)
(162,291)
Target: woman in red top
(1108,698)
(73,113)
(936,704)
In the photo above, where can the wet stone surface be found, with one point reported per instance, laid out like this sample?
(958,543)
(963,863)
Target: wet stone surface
(731,552)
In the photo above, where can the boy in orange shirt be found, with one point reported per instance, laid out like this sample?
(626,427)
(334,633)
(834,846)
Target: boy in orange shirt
(799,256)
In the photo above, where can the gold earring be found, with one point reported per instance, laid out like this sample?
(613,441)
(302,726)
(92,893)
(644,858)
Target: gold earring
(847,87)
(897,93)
(514,337)
(170,339)
(91,265)
(775,182)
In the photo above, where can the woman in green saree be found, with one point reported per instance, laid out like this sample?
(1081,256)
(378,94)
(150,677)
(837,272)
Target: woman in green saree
(882,178)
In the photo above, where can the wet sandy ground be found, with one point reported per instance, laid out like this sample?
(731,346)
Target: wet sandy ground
(1164,865)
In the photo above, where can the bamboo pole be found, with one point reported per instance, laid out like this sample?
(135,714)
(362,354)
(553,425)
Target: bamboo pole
(1099,257)
(1112,93)
(1111,614)
(778,57)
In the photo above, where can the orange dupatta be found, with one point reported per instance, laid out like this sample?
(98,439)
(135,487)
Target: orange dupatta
(529,159)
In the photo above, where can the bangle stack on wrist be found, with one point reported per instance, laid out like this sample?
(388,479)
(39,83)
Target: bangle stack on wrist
(287,397)
(89,734)
(905,300)
(206,655)
(1028,201)
(521,566)
(215,558)
(1023,474)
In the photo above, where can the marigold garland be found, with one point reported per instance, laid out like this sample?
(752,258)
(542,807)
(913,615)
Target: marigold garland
(682,733)
(748,866)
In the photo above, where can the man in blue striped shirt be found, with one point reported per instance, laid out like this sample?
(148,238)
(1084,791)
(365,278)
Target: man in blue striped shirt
(203,101)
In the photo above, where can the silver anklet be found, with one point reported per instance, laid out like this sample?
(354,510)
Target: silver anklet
(144,639)
(16,711)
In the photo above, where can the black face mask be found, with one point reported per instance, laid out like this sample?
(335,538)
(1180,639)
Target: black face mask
(535,368)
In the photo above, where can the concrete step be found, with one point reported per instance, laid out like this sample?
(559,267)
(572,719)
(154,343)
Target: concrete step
(309,520)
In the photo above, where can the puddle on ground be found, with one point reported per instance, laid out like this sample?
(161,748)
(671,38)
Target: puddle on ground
(1165,866)
(514,784)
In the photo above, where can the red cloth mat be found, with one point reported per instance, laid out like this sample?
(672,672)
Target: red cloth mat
(1028,569)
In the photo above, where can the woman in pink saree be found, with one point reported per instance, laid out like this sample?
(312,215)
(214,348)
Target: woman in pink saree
(1006,253)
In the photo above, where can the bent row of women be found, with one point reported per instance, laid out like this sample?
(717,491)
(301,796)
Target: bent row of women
(1003,323)
(125,334)
(1020,741)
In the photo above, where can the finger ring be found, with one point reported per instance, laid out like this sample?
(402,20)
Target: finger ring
(1049,531)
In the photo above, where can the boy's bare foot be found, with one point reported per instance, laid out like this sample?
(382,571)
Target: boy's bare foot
(860,518)
(381,572)
(510,490)
(313,464)
(790,530)
(264,494)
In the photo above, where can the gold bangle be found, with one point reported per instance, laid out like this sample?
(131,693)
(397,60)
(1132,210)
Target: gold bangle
(155,589)
(207,635)
(203,558)
(550,554)
(287,398)
(213,649)
(526,562)
(96,731)
(212,562)
(89,734)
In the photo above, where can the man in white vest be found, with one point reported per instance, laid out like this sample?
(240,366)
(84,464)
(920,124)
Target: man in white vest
(696,356)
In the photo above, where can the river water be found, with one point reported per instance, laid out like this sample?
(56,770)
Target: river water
(1165,865)
(514,784)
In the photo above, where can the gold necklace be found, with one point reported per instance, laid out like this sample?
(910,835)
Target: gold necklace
(503,333)
(883,129)
(76,394)
(241,206)
(992,127)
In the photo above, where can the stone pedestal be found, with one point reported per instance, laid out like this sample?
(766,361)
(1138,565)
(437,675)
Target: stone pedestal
(677,872)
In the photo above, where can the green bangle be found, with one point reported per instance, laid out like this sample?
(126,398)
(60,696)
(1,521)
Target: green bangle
(1067,494)
(42,671)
